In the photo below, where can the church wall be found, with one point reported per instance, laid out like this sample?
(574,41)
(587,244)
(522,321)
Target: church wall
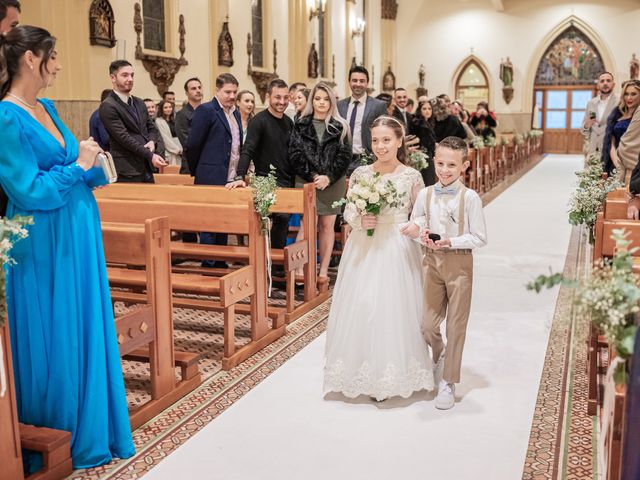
(441,35)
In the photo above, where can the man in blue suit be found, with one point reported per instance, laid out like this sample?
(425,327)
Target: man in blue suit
(213,149)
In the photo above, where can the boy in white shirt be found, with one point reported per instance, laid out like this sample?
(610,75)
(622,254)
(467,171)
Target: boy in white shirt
(454,213)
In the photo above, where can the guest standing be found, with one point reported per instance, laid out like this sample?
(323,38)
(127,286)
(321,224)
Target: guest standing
(214,145)
(9,18)
(598,109)
(267,144)
(300,102)
(96,127)
(165,122)
(422,126)
(247,105)
(135,140)
(193,89)
(484,121)
(446,125)
(320,152)
(360,110)
(290,111)
(400,112)
(66,360)
(617,125)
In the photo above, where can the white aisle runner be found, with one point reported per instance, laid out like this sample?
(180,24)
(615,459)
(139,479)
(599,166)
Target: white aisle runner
(283,429)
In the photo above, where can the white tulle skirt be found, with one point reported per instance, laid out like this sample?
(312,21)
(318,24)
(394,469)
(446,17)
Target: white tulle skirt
(374,343)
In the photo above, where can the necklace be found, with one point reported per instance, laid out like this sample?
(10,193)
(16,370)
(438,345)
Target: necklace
(24,102)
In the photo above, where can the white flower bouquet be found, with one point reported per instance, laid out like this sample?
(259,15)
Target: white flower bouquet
(418,159)
(264,196)
(370,194)
(11,231)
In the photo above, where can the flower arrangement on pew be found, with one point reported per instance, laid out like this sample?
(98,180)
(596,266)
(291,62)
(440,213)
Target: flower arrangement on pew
(11,231)
(264,196)
(535,133)
(589,197)
(370,194)
(478,142)
(503,141)
(518,139)
(490,141)
(418,159)
(609,295)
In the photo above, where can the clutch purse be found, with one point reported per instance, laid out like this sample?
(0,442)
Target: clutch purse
(104,161)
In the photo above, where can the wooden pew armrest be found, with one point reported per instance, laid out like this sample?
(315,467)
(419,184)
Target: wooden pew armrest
(237,286)
(296,255)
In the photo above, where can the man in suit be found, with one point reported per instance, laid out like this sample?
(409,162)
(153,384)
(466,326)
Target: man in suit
(135,141)
(360,110)
(9,18)
(400,100)
(193,89)
(598,110)
(213,147)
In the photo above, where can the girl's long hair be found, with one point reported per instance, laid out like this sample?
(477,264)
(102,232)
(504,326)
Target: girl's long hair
(398,129)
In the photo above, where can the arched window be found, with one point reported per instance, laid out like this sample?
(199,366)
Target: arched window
(257,33)
(472,85)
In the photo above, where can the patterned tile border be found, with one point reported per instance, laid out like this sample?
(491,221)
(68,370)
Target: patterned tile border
(162,435)
(561,440)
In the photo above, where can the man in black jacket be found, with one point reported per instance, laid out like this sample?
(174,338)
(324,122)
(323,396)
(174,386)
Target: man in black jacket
(400,100)
(267,144)
(193,89)
(136,145)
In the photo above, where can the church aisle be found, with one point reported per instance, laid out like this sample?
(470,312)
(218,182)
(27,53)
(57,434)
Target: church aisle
(284,429)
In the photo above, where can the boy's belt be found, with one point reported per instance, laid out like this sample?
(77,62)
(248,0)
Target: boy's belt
(459,251)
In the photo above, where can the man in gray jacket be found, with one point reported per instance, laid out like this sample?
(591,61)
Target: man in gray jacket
(360,110)
(598,110)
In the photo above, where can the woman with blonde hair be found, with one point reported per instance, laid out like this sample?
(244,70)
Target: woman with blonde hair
(320,152)
(617,125)
(246,101)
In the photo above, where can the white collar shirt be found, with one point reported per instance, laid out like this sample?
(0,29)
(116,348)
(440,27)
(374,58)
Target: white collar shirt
(356,135)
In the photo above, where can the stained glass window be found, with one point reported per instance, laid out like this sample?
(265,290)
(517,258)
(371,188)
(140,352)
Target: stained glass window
(572,59)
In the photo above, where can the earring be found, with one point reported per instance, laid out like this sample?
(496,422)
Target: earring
(31,67)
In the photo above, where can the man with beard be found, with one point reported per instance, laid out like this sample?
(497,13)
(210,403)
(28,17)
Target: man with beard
(360,110)
(598,110)
(135,141)
(267,144)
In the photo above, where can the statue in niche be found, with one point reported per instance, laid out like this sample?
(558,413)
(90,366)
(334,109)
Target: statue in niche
(225,47)
(388,80)
(101,20)
(421,75)
(506,72)
(312,62)
(634,67)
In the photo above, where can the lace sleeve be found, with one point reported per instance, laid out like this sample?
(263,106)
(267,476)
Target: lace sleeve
(351,214)
(418,184)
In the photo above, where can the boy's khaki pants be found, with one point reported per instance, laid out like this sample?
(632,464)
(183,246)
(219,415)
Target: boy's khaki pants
(449,280)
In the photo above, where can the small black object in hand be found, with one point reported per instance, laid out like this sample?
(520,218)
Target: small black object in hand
(434,236)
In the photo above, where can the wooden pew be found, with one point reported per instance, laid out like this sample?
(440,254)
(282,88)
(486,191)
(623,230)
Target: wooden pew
(146,333)
(289,200)
(170,169)
(247,283)
(172,179)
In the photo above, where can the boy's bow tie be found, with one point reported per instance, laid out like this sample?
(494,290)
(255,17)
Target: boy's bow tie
(448,190)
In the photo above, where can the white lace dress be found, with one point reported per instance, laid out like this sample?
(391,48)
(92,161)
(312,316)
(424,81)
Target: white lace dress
(374,343)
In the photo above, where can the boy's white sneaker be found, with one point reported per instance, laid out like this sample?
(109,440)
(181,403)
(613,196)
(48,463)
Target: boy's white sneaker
(446,398)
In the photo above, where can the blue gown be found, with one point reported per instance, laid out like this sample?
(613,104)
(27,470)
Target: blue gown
(66,361)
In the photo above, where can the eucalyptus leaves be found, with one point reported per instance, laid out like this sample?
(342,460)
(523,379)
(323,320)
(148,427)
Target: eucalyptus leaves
(587,200)
(609,295)
(11,231)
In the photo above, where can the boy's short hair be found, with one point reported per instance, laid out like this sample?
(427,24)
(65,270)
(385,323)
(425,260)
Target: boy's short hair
(456,144)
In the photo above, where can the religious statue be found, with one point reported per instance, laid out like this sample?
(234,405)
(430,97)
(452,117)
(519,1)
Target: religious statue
(421,74)
(312,62)
(506,72)
(225,47)
(634,67)
(388,80)
(101,20)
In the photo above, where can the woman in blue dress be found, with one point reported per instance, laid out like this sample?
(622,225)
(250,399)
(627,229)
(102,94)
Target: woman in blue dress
(67,366)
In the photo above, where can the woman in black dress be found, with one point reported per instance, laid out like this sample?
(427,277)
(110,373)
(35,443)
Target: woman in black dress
(422,126)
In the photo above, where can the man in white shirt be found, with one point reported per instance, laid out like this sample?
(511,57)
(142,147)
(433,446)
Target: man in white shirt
(598,110)
(360,110)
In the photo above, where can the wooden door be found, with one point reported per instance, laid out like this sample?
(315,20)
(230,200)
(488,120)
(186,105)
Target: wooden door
(10,453)
(560,112)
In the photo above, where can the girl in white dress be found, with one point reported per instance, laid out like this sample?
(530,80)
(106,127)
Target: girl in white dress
(374,343)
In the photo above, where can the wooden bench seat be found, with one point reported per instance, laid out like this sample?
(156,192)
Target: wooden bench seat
(55,446)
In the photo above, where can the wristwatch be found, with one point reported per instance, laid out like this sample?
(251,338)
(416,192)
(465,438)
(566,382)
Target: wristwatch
(237,178)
